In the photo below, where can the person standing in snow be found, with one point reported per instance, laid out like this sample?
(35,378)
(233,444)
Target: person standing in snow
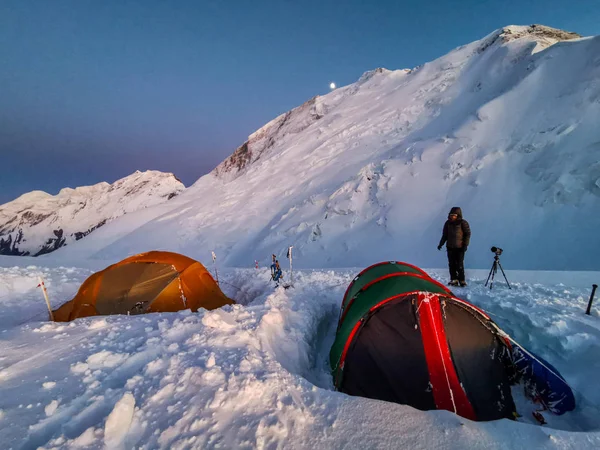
(456,235)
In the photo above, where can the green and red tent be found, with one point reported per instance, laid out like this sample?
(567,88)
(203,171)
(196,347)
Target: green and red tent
(405,338)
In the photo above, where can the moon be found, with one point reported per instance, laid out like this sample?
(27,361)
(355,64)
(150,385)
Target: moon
(332,85)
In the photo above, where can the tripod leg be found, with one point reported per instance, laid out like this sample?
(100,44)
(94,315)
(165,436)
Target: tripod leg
(494,271)
(489,275)
(504,275)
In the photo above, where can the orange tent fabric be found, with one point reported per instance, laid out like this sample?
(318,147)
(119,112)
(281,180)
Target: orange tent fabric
(149,282)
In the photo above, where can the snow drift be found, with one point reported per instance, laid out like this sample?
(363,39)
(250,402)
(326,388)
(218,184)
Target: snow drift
(256,374)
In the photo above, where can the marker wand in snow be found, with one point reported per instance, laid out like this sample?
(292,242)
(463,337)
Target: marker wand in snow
(214,258)
(43,286)
(589,308)
(289,255)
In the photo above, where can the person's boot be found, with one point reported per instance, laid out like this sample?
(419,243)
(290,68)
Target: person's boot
(453,283)
(463,283)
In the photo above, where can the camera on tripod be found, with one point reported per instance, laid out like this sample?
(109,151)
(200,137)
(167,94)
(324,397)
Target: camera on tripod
(497,251)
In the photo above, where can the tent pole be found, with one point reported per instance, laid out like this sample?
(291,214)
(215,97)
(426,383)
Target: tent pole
(46,298)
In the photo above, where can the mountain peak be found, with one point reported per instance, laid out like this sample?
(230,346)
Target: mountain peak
(543,35)
(38,222)
(536,31)
(32,196)
(368,170)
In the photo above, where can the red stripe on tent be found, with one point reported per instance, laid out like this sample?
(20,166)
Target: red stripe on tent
(340,365)
(358,276)
(439,361)
(380,264)
(396,274)
(423,276)
(448,394)
(410,265)
(357,326)
(346,308)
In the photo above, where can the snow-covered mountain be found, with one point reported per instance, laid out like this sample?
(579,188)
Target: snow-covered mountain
(505,127)
(38,223)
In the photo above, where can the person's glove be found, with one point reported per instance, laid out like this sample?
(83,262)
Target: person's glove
(439,247)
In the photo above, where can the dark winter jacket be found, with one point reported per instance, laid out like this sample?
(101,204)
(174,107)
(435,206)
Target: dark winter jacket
(457,233)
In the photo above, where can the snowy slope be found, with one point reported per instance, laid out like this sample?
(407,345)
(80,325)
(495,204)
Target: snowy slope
(255,375)
(506,127)
(38,223)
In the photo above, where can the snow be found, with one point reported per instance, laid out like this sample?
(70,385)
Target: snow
(256,375)
(119,421)
(505,127)
(85,440)
(44,219)
(51,407)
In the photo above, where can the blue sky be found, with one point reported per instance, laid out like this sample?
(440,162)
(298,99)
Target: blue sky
(92,90)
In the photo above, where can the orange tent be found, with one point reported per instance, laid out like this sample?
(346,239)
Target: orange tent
(149,282)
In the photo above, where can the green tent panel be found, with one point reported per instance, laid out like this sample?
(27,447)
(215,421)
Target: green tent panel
(376,271)
(378,283)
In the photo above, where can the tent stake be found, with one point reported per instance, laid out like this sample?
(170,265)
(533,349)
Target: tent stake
(589,308)
(46,298)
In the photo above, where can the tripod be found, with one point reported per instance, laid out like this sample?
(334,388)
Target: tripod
(493,271)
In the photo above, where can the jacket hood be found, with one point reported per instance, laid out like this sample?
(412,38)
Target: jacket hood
(456,210)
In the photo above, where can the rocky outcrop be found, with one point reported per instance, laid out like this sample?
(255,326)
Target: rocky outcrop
(260,142)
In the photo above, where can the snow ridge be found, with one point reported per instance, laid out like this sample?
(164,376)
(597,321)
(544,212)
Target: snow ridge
(38,223)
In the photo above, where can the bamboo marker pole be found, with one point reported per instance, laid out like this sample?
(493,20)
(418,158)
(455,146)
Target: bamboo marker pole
(46,298)
(214,258)
(289,255)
